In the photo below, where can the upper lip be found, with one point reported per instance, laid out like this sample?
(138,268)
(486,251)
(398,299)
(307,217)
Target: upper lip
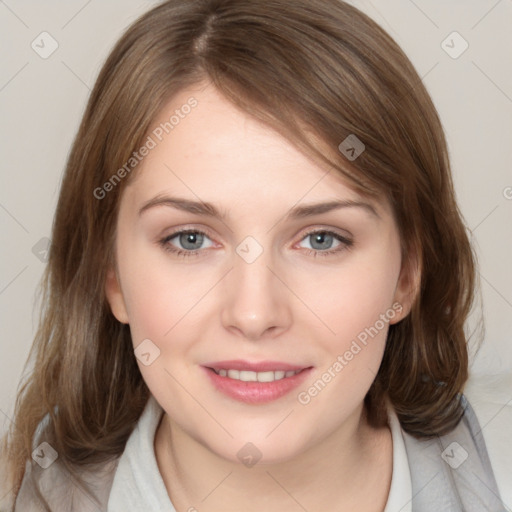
(262,366)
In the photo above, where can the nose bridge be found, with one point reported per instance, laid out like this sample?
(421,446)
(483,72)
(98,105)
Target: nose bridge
(255,301)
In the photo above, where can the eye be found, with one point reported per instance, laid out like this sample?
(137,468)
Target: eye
(325,242)
(190,242)
(186,243)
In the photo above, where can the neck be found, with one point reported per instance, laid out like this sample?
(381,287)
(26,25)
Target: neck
(349,470)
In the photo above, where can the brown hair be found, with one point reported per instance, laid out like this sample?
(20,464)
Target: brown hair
(317,71)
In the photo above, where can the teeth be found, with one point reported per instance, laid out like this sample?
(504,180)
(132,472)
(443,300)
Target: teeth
(249,376)
(233,374)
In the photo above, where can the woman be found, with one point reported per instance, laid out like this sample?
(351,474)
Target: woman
(258,279)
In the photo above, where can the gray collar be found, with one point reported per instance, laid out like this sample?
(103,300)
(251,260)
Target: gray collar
(452,473)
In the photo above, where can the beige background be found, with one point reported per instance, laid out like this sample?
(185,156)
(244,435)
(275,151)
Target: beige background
(41,101)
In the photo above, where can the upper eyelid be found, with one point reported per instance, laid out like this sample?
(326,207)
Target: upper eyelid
(334,231)
(179,231)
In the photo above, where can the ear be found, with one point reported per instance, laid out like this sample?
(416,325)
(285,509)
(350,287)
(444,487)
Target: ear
(115,296)
(407,287)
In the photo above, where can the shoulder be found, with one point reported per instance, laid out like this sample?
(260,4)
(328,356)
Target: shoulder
(88,491)
(454,471)
(49,483)
(491,398)
(84,488)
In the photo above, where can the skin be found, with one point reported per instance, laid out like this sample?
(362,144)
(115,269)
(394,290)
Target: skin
(291,304)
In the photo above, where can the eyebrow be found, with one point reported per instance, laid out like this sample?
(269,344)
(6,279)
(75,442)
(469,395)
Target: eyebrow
(299,212)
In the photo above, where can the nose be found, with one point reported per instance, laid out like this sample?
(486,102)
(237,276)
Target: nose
(256,303)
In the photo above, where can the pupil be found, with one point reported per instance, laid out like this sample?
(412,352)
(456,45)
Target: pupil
(191,240)
(323,241)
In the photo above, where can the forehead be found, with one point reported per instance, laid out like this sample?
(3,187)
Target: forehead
(215,152)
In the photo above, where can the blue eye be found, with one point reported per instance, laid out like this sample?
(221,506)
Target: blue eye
(326,243)
(321,240)
(189,242)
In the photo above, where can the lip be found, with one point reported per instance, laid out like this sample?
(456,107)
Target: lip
(262,366)
(257,392)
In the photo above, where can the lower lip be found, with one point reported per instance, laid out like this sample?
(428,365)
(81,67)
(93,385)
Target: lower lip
(256,392)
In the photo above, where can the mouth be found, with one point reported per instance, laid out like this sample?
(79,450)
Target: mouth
(255,383)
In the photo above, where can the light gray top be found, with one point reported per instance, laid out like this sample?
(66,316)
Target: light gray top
(138,484)
(449,473)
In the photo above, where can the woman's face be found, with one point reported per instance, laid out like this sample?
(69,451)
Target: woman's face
(281,263)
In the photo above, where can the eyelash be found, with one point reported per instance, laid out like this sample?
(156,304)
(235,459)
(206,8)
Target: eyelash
(346,243)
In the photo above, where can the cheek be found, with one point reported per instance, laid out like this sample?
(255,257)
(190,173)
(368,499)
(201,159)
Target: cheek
(158,292)
(355,308)
(353,297)
(161,307)
(149,302)
(353,304)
